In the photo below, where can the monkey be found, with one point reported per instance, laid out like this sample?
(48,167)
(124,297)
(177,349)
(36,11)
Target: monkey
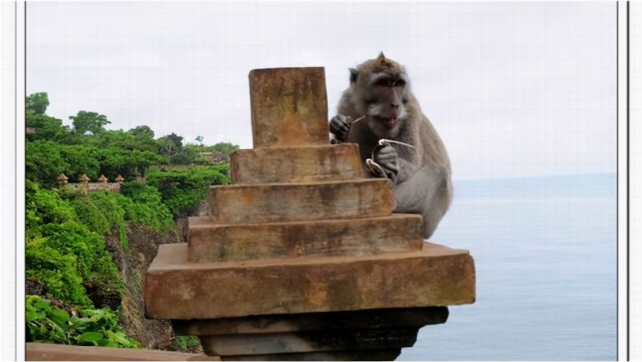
(420,168)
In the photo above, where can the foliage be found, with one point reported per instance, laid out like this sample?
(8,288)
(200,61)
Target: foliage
(170,145)
(91,327)
(89,122)
(102,212)
(56,271)
(44,206)
(81,160)
(86,248)
(187,344)
(43,127)
(43,162)
(65,247)
(225,148)
(184,189)
(37,103)
(144,205)
(64,243)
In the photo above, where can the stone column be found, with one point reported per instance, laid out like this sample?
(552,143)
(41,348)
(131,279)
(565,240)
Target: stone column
(301,258)
(83,183)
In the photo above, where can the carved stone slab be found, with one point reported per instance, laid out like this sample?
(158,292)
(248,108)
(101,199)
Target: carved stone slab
(283,202)
(296,164)
(289,107)
(208,241)
(178,289)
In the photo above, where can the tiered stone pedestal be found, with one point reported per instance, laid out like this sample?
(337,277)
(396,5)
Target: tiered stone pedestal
(301,257)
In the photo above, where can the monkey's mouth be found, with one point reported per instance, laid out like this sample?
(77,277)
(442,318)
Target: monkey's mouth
(389,122)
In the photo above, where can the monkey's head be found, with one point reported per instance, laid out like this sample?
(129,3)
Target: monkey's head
(381,92)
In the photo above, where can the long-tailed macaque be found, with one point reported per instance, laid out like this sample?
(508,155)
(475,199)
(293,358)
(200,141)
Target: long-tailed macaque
(421,175)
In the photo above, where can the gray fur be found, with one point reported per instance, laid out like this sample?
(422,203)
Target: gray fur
(422,176)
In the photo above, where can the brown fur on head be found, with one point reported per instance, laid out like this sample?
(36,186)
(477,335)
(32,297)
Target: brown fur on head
(379,89)
(377,65)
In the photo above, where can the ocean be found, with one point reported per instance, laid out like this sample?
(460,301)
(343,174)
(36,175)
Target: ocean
(545,252)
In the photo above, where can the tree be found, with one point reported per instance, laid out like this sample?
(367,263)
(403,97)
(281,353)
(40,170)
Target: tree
(81,160)
(91,122)
(142,132)
(225,148)
(43,162)
(37,103)
(117,161)
(42,127)
(143,136)
(170,145)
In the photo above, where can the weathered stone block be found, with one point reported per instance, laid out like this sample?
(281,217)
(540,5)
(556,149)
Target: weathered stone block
(388,354)
(281,323)
(208,241)
(65,352)
(314,341)
(296,164)
(178,289)
(234,204)
(289,107)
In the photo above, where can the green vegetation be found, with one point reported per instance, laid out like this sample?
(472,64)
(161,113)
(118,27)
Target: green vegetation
(66,228)
(65,247)
(183,189)
(88,327)
(186,344)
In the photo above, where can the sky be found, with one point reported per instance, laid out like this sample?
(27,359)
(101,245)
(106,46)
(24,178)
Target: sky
(515,89)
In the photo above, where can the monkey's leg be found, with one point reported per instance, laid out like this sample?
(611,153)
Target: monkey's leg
(428,193)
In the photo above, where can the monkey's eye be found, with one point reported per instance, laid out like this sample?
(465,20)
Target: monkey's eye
(386,83)
(389,83)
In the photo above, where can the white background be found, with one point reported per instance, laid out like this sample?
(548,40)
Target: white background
(514,89)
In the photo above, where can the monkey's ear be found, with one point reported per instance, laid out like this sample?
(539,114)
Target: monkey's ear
(354,74)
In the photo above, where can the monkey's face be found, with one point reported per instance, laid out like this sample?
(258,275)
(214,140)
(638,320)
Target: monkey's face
(385,99)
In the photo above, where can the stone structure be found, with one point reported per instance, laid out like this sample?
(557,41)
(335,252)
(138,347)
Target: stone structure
(62,179)
(301,257)
(84,185)
(65,352)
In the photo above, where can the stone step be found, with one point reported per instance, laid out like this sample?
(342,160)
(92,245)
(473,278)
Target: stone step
(296,164)
(281,323)
(314,341)
(209,241)
(65,352)
(289,107)
(389,354)
(433,276)
(280,202)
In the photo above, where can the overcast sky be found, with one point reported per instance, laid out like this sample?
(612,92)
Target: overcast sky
(514,89)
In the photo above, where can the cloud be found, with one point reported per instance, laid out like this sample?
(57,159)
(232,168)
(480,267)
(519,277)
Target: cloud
(513,88)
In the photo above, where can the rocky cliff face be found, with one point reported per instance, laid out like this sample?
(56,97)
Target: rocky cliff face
(133,263)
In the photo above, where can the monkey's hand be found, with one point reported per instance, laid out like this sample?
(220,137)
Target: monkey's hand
(386,157)
(340,127)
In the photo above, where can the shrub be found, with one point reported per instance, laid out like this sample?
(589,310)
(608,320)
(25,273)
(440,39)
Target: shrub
(57,272)
(183,189)
(44,206)
(90,327)
(80,256)
(143,205)
(102,212)
(43,162)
